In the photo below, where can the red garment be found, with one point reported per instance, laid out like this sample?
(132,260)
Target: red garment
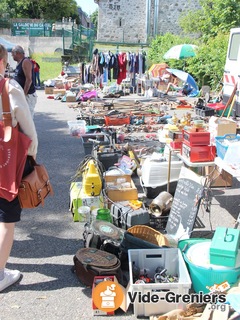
(35,65)
(122,65)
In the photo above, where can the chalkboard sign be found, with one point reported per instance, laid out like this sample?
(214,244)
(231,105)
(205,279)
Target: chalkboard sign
(185,204)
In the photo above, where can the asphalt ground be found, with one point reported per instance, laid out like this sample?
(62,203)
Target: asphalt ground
(46,239)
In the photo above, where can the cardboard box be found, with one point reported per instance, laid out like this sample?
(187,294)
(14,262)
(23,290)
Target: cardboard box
(49,90)
(222,126)
(218,178)
(79,199)
(71,98)
(116,190)
(59,91)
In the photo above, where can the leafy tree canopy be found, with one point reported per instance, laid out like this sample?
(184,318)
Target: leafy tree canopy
(215,16)
(39,9)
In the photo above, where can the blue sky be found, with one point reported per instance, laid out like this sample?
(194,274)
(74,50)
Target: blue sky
(88,6)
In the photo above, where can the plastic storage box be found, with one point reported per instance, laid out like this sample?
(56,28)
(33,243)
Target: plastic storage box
(77,127)
(150,260)
(154,175)
(221,147)
(224,247)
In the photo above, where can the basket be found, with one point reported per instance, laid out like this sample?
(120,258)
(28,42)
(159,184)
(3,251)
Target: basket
(149,234)
(221,148)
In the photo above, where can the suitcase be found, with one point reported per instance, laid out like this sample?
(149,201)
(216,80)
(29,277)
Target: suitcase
(91,262)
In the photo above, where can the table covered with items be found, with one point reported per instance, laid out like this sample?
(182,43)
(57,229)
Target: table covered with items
(147,167)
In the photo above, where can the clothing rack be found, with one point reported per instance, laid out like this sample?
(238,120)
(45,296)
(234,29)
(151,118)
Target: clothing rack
(106,49)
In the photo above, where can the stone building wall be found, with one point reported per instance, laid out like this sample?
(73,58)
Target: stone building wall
(170,11)
(121,21)
(133,21)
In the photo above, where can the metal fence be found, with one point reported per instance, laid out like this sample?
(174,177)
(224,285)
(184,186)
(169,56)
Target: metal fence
(78,43)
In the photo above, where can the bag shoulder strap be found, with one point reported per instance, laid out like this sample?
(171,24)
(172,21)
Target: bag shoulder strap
(7,116)
(6,113)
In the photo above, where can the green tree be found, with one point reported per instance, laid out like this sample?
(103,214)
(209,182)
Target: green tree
(208,65)
(40,9)
(214,16)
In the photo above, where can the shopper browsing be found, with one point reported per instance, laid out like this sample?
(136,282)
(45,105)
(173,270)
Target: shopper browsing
(24,75)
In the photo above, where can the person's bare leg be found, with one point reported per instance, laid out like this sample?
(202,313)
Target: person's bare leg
(8,277)
(6,242)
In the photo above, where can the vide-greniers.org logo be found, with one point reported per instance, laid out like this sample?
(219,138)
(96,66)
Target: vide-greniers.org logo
(172,297)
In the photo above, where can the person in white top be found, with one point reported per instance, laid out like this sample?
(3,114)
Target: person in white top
(10,211)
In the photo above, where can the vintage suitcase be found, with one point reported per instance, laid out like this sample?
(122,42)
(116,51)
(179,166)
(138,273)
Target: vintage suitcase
(91,262)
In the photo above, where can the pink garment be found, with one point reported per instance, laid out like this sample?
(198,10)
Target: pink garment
(89,95)
(122,65)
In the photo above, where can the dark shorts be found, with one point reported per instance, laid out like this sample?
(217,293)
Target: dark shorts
(10,211)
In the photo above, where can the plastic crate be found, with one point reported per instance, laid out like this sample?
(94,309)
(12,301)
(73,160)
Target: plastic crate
(196,138)
(204,111)
(150,259)
(116,120)
(221,147)
(198,153)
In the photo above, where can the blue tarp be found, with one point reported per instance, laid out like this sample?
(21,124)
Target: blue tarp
(7,44)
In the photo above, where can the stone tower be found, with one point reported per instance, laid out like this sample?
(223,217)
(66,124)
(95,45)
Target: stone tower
(134,21)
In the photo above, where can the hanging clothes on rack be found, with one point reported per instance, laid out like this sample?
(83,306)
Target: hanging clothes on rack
(118,66)
(132,69)
(115,66)
(122,64)
(95,70)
